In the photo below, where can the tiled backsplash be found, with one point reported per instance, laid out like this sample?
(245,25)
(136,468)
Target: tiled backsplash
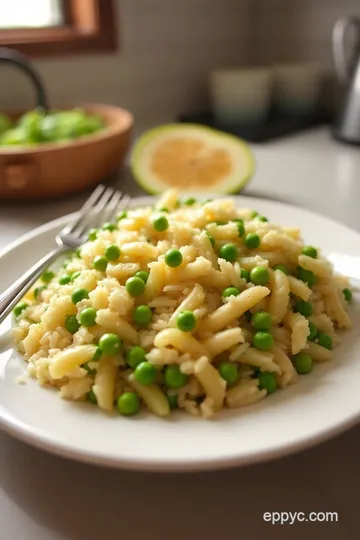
(296,30)
(167,47)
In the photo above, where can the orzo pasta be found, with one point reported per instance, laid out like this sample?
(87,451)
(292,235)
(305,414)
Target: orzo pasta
(190,305)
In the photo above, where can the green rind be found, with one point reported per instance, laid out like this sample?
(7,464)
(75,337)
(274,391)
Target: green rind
(151,133)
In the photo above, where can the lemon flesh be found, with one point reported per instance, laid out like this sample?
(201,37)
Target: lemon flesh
(191,157)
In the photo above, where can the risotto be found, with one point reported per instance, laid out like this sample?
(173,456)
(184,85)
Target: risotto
(188,305)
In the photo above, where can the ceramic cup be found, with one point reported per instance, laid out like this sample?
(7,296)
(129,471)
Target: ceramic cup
(297,88)
(241,96)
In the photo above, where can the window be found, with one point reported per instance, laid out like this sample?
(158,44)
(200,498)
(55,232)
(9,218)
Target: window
(57,27)
(33,14)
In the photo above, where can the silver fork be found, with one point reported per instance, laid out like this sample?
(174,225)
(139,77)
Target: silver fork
(102,205)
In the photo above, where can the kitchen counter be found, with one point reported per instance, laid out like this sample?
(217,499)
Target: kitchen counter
(49,498)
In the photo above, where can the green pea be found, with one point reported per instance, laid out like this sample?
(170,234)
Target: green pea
(230,291)
(88,317)
(109,227)
(190,201)
(92,235)
(324,340)
(160,223)
(64,280)
(134,356)
(78,295)
(186,321)
(303,363)
(306,275)
(20,308)
(347,294)
(100,263)
(71,324)
(229,372)
(173,377)
(263,341)
(304,308)
(220,222)
(282,267)
(112,252)
(240,228)
(313,331)
(173,258)
(244,274)
(90,396)
(142,275)
(122,215)
(267,381)
(211,238)
(135,286)
(259,275)
(310,251)
(145,373)
(47,276)
(128,404)
(142,315)
(97,355)
(263,219)
(38,291)
(262,320)
(74,275)
(173,401)
(110,344)
(254,214)
(164,209)
(228,252)
(78,253)
(252,241)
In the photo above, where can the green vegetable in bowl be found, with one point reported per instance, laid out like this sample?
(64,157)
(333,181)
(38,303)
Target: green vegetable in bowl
(68,125)
(36,127)
(30,122)
(93,124)
(14,137)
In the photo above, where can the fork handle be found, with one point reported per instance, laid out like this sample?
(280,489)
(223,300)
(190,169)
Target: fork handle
(16,291)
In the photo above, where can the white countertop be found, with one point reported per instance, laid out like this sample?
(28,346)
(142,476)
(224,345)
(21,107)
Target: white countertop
(44,497)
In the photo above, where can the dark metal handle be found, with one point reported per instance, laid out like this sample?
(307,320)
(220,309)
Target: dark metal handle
(20,60)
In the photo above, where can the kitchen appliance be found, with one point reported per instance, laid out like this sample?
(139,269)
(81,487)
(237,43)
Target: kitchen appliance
(347,123)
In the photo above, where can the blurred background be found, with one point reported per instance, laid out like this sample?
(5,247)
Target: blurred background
(261,69)
(166,49)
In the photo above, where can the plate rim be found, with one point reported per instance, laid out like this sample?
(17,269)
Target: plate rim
(21,431)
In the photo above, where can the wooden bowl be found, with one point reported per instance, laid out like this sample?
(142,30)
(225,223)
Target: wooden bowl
(52,170)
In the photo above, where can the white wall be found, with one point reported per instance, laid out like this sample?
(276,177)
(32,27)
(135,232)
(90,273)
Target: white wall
(167,47)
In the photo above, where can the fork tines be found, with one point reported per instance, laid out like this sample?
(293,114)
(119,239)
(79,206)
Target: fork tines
(103,205)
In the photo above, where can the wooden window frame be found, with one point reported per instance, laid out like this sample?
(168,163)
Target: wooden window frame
(90,26)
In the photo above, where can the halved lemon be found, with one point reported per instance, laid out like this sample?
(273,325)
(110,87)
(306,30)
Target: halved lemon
(191,157)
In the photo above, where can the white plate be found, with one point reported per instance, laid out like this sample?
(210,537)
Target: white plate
(321,405)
